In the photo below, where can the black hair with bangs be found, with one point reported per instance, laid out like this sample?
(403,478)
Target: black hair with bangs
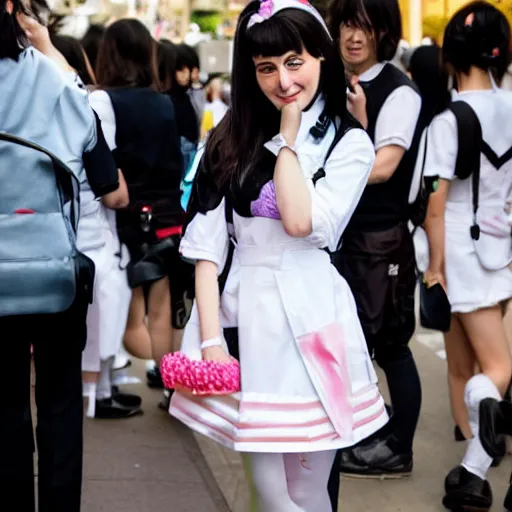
(477,35)
(381,18)
(236,145)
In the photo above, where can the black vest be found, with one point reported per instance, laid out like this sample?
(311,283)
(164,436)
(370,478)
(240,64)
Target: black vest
(385,205)
(148,152)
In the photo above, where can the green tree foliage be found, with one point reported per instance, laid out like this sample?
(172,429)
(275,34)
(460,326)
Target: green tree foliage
(208,21)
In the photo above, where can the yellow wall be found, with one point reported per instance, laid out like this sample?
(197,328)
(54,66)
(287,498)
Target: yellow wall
(438,8)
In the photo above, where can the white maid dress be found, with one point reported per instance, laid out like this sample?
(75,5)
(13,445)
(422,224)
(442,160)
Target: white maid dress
(307,381)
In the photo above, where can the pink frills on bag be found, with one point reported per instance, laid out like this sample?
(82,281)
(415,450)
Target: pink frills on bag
(200,377)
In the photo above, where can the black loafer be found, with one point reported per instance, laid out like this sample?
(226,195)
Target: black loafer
(126,399)
(375,461)
(154,378)
(469,494)
(110,409)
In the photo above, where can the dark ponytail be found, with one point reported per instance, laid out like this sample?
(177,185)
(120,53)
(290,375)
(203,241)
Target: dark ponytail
(12,37)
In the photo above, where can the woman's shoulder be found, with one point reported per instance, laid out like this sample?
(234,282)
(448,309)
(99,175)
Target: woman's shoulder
(351,133)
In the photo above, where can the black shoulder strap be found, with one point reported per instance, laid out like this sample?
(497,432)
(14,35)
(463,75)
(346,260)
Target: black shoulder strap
(470,141)
(65,176)
(340,133)
(228,212)
(469,133)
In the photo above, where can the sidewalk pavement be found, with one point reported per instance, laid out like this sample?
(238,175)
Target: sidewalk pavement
(153,463)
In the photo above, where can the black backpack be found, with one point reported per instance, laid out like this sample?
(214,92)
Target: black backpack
(470,147)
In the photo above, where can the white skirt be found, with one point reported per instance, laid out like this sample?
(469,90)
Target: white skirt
(470,285)
(281,409)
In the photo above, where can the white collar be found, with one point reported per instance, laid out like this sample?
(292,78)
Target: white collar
(372,73)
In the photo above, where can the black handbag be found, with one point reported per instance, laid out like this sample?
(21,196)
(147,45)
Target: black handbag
(435,308)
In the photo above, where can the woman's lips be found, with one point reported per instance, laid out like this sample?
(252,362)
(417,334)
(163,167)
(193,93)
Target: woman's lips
(289,99)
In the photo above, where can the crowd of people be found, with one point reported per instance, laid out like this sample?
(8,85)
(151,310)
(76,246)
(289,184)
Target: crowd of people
(279,220)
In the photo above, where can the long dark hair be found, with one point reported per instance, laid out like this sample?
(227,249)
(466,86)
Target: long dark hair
(91,42)
(235,145)
(127,57)
(477,35)
(166,64)
(12,37)
(73,52)
(429,74)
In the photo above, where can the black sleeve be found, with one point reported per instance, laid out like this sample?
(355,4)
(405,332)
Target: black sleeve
(100,166)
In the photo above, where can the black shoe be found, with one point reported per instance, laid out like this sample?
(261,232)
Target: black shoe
(495,421)
(375,460)
(111,409)
(466,492)
(508,498)
(166,400)
(154,378)
(452,479)
(126,399)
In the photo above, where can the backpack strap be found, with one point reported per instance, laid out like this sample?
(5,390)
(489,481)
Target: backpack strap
(340,133)
(228,212)
(470,143)
(66,179)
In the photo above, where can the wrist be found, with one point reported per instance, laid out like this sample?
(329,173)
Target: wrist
(279,142)
(211,342)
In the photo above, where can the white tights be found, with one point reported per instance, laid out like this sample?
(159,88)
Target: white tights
(291,482)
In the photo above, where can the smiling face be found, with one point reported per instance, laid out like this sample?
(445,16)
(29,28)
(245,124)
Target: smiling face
(357,48)
(288,78)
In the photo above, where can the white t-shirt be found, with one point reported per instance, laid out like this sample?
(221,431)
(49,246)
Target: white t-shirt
(398,117)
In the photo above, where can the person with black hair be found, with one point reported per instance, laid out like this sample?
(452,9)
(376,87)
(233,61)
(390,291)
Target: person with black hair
(469,234)
(196,92)
(429,74)
(377,254)
(188,122)
(140,126)
(91,42)
(285,169)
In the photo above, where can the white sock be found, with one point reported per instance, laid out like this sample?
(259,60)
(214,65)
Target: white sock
(476,460)
(89,391)
(105,382)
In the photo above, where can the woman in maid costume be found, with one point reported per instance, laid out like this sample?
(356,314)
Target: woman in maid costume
(469,236)
(307,385)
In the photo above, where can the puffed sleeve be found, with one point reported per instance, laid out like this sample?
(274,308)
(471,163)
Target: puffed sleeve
(206,234)
(442,147)
(336,195)
(397,119)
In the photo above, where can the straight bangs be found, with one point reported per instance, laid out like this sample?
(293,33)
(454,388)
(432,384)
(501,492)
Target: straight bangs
(354,12)
(275,37)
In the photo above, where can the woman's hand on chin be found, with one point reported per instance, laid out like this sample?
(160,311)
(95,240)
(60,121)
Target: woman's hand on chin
(291,115)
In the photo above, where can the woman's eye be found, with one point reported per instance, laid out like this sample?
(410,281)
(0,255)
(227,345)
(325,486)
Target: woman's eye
(294,64)
(266,70)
